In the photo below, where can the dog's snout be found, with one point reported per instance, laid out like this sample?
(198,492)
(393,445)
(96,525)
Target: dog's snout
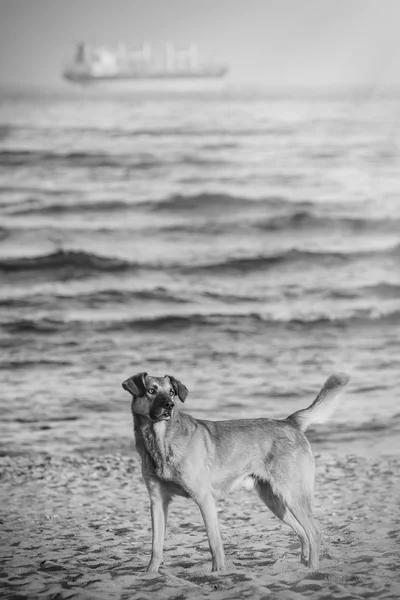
(169,404)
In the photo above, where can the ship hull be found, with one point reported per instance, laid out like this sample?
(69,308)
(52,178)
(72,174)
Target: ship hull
(163,85)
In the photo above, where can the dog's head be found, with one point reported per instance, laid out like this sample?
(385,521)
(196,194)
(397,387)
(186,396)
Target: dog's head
(154,397)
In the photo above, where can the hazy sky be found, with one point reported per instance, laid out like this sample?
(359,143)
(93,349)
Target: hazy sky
(274,42)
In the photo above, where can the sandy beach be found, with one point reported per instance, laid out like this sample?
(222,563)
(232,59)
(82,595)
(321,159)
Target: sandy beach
(74,527)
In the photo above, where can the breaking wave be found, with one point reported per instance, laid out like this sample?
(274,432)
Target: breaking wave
(16,158)
(171,322)
(65,259)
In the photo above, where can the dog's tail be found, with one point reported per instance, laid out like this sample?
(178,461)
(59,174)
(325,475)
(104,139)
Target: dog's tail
(324,404)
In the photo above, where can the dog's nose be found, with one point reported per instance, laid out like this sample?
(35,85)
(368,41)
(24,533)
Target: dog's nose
(169,404)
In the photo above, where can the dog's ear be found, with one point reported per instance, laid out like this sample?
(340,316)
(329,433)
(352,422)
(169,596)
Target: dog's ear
(180,390)
(135,384)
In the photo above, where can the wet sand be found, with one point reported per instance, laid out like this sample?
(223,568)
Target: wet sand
(80,528)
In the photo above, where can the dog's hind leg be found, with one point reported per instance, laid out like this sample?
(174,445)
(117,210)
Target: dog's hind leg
(301,512)
(280,509)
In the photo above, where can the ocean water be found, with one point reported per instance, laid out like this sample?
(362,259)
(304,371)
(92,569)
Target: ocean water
(248,244)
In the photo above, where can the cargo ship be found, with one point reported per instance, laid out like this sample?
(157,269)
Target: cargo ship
(121,68)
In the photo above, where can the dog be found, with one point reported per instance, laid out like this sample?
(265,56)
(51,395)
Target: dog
(203,460)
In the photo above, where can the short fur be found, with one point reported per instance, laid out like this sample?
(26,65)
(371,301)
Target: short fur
(203,460)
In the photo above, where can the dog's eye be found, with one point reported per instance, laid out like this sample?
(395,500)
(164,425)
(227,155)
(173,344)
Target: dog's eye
(171,393)
(151,391)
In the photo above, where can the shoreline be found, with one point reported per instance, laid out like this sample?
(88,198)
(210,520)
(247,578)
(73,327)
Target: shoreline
(80,527)
(37,439)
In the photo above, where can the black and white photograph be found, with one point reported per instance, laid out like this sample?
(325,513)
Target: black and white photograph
(199,299)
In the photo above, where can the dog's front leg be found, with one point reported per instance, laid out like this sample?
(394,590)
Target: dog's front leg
(208,511)
(159,502)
